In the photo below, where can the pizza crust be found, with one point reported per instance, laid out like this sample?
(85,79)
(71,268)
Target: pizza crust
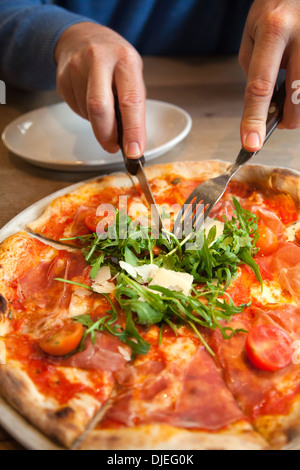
(19,253)
(164,437)
(61,424)
(277,179)
(281,430)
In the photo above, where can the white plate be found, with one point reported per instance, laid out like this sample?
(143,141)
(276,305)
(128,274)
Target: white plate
(55,137)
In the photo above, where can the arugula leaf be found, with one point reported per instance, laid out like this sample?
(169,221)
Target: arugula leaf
(247,258)
(213,263)
(146,314)
(97,265)
(130,257)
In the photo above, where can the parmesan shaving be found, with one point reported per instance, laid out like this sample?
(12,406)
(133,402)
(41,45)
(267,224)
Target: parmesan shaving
(101,283)
(172,280)
(209,223)
(125,353)
(105,288)
(102,275)
(162,277)
(128,268)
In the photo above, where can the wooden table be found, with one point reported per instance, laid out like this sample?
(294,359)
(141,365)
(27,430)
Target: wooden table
(211,90)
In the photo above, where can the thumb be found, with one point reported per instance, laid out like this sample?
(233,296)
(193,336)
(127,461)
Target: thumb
(258,96)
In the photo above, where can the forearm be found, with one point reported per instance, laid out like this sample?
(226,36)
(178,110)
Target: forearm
(29,31)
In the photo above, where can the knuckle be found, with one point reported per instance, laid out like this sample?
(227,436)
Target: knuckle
(92,52)
(277,23)
(259,88)
(127,54)
(255,123)
(74,63)
(96,106)
(131,98)
(132,129)
(129,59)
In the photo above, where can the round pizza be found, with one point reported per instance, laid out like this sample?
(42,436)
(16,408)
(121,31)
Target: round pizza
(119,336)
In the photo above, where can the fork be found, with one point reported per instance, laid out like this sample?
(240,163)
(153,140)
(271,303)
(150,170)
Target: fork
(206,195)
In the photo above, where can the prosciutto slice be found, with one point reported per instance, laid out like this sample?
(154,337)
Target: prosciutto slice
(38,286)
(259,392)
(107,354)
(192,396)
(286,262)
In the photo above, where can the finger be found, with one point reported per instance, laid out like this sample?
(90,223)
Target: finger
(246,50)
(100,106)
(130,88)
(65,90)
(291,112)
(78,81)
(262,74)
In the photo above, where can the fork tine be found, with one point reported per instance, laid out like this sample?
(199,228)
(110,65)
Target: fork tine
(178,220)
(186,218)
(198,219)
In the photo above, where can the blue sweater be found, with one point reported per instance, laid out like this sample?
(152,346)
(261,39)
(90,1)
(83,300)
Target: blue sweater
(29,30)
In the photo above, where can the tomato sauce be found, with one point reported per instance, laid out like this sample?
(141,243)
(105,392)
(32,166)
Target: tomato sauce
(283,206)
(240,290)
(48,378)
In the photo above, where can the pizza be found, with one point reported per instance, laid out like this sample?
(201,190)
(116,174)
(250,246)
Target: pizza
(114,337)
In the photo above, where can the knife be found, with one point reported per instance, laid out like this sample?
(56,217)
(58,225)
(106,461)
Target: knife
(135,168)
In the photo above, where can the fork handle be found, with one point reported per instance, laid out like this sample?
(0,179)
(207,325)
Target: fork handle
(273,119)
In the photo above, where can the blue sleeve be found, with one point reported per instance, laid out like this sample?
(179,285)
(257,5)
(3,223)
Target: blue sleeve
(29,30)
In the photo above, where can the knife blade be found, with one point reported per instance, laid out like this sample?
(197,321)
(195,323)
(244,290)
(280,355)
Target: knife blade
(135,168)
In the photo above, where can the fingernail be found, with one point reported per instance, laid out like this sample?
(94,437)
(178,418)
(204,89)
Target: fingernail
(133,149)
(253,140)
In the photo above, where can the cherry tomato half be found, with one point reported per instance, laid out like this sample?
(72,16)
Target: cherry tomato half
(269,347)
(267,242)
(64,341)
(92,221)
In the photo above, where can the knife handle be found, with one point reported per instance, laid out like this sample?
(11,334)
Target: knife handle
(273,119)
(132,164)
(275,110)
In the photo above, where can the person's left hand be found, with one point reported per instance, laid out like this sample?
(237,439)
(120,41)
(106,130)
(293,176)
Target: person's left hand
(271,41)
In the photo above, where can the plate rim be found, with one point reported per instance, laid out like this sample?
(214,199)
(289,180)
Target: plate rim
(90,164)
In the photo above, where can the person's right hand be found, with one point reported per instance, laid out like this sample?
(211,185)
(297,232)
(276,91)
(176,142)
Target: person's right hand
(93,64)
(271,41)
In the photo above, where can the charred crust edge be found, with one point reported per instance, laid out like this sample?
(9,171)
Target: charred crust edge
(3,304)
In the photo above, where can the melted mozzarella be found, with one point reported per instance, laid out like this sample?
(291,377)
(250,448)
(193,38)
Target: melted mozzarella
(291,230)
(78,306)
(271,294)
